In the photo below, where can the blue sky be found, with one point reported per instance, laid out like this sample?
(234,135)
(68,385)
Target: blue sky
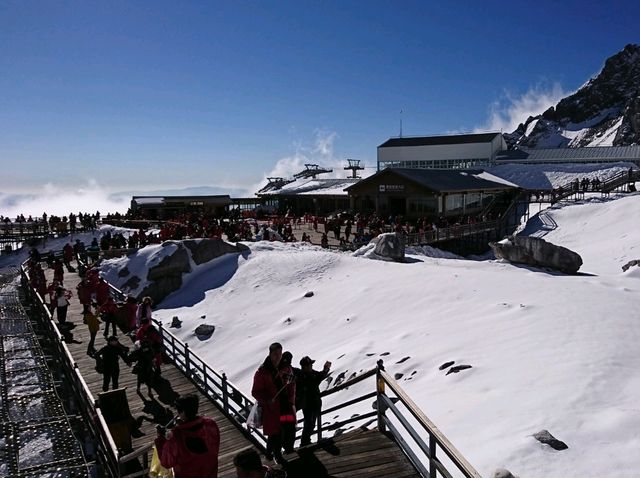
(145,95)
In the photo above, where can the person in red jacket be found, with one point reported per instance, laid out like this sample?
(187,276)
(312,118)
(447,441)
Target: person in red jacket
(84,294)
(108,312)
(191,447)
(102,291)
(67,254)
(275,393)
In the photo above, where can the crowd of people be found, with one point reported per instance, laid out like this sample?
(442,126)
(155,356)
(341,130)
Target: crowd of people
(71,223)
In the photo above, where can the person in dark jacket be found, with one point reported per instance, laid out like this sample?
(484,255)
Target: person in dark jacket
(308,384)
(192,447)
(249,465)
(276,395)
(110,355)
(144,368)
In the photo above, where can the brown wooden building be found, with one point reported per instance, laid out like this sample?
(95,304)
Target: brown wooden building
(426,192)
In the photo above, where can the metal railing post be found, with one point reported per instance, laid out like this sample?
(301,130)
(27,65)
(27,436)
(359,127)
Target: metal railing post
(187,358)
(380,392)
(432,458)
(225,394)
(319,425)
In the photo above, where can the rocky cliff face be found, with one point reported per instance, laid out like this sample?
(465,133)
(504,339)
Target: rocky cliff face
(604,112)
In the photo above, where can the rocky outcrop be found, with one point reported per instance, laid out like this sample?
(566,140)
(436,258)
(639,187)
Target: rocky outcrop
(537,252)
(204,250)
(605,110)
(205,331)
(166,277)
(391,245)
(630,264)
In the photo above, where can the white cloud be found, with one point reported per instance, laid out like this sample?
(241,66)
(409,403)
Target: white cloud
(506,113)
(60,201)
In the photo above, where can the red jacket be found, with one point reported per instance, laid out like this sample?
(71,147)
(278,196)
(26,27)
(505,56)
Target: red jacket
(191,449)
(266,385)
(102,292)
(84,292)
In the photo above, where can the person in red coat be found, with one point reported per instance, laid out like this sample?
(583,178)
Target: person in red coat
(102,291)
(108,311)
(275,392)
(84,294)
(191,447)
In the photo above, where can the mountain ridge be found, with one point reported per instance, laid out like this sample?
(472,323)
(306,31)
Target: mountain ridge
(605,111)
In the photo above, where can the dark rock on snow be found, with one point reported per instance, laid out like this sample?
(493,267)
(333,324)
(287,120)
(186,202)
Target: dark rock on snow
(205,331)
(537,252)
(543,436)
(390,245)
(309,294)
(124,272)
(446,365)
(628,265)
(457,368)
(176,322)
(503,473)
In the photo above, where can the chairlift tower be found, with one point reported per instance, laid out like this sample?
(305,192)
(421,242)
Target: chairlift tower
(354,167)
(311,171)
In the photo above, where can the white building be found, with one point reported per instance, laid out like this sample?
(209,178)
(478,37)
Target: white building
(441,152)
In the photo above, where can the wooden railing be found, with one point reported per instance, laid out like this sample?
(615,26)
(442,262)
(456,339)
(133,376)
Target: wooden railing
(107,452)
(421,441)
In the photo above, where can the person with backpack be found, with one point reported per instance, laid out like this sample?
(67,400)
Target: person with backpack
(191,447)
(147,332)
(144,368)
(93,324)
(61,302)
(308,398)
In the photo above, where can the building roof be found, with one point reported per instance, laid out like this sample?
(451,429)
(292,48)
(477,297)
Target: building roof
(591,154)
(440,140)
(445,180)
(313,187)
(221,199)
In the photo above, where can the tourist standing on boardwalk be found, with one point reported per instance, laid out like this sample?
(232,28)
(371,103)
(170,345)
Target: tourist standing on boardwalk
(288,415)
(62,303)
(108,311)
(84,294)
(274,396)
(110,356)
(144,368)
(144,310)
(93,324)
(191,447)
(308,398)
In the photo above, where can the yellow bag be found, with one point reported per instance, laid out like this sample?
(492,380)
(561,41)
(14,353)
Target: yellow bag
(156,470)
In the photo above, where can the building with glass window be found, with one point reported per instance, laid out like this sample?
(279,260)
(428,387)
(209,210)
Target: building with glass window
(430,193)
(460,151)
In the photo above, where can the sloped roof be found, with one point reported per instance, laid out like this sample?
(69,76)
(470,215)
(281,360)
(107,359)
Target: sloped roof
(311,187)
(603,153)
(439,140)
(443,180)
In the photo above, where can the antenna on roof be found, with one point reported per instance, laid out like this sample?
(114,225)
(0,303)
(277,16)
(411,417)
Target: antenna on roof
(401,122)
(354,166)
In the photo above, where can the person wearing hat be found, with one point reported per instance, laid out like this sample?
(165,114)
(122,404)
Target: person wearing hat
(308,384)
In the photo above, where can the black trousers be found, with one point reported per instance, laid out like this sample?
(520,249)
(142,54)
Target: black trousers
(110,376)
(274,446)
(62,314)
(310,419)
(288,436)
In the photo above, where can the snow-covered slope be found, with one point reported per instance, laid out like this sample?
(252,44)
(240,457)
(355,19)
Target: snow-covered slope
(547,350)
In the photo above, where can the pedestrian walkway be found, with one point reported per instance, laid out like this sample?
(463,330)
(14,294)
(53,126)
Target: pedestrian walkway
(149,411)
(36,436)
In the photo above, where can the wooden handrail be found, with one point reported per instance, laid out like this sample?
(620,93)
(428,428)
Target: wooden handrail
(431,427)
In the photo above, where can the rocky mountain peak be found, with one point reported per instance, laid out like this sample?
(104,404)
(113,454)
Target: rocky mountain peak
(604,112)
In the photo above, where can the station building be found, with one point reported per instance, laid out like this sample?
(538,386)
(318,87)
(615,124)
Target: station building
(414,193)
(165,207)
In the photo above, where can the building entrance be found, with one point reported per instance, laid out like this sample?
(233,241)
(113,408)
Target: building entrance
(398,206)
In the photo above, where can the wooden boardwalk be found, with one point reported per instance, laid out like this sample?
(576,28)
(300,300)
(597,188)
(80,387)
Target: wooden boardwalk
(175,383)
(359,453)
